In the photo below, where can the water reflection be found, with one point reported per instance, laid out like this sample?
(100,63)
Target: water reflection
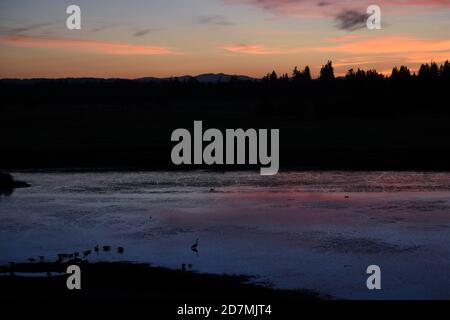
(311,230)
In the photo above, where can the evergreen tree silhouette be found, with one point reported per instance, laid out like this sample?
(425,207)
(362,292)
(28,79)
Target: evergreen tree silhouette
(306,75)
(273,76)
(429,72)
(400,74)
(284,78)
(444,71)
(296,75)
(301,76)
(327,72)
(350,74)
(373,75)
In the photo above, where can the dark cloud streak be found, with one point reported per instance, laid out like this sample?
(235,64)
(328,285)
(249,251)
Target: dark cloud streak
(143,32)
(214,19)
(351,20)
(101,28)
(27,28)
(324,4)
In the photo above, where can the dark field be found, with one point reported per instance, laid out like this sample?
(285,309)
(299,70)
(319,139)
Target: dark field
(343,124)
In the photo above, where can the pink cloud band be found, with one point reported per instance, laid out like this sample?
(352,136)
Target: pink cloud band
(407,48)
(83,45)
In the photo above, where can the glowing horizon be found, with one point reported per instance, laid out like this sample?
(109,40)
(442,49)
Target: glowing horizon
(245,37)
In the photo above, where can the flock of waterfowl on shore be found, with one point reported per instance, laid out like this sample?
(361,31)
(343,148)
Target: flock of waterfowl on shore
(7,184)
(78,257)
(74,257)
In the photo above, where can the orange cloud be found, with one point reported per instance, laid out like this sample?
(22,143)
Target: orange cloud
(260,49)
(83,45)
(251,49)
(383,50)
(351,51)
(355,61)
(345,38)
(390,44)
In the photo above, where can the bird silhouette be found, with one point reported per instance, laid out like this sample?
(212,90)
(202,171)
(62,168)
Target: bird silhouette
(106,248)
(32,260)
(183,267)
(86,253)
(194,247)
(120,249)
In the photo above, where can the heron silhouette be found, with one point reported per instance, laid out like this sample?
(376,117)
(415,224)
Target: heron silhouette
(194,247)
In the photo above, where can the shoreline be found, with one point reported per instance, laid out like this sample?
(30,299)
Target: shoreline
(212,169)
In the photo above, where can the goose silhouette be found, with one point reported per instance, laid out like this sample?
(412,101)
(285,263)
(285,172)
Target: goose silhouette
(86,253)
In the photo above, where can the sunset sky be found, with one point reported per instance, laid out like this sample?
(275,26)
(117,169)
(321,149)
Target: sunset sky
(137,38)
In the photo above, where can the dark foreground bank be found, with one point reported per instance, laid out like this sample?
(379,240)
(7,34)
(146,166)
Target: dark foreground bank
(128,290)
(127,281)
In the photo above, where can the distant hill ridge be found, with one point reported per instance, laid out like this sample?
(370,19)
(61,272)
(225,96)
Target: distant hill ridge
(202,78)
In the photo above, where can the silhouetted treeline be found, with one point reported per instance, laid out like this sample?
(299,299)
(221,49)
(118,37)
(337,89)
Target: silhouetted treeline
(402,92)
(362,120)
